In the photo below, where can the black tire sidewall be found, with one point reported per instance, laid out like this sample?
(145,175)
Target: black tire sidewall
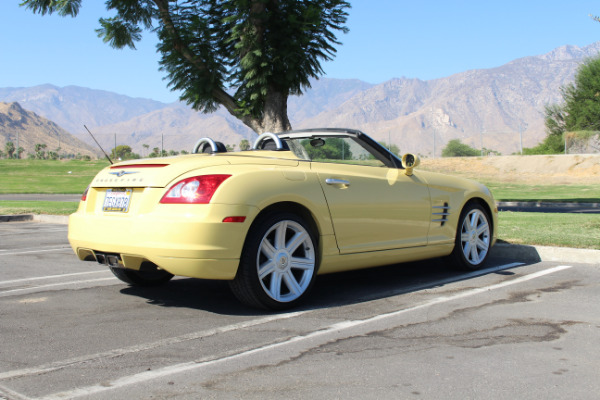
(458,258)
(246,285)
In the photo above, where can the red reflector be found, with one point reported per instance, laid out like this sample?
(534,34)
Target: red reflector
(234,219)
(84,195)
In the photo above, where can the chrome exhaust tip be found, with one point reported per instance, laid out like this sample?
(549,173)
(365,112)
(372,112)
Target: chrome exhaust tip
(112,260)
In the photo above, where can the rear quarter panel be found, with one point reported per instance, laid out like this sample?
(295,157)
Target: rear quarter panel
(261,186)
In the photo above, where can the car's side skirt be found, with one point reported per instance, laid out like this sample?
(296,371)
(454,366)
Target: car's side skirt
(346,262)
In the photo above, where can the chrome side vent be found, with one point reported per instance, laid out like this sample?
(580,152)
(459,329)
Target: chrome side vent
(441,213)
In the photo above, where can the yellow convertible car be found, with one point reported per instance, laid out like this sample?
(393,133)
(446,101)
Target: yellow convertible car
(272,218)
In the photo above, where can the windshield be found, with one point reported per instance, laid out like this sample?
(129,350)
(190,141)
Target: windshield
(332,149)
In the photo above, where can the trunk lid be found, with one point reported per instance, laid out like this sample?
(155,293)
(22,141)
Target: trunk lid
(158,172)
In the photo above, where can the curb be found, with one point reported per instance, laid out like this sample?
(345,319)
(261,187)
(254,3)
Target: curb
(533,254)
(45,218)
(52,219)
(543,204)
(16,218)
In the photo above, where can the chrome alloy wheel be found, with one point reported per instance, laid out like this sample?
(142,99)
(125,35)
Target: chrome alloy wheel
(286,261)
(475,236)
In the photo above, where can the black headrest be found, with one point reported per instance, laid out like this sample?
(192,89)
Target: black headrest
(269,144)
(220,148)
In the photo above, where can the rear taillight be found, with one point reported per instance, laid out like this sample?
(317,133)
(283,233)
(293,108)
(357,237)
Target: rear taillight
(84,195)
(196,190)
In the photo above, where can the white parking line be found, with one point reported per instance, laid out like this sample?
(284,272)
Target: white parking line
(146,346)
(33,231)
(7,394)
(336,329)
(14,252)
(37,288)
(37,278)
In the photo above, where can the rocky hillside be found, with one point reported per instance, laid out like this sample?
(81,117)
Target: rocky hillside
(28,129)
(500,109)
(492,108)
(71,107)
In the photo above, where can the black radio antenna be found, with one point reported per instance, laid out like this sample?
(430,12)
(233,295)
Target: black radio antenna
(106,155)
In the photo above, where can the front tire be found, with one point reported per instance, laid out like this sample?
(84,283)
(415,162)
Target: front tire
(473,238)
(279,263)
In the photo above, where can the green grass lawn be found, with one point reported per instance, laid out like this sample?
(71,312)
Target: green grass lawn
(550,229)
(548,193)
(37,207)
(44,176)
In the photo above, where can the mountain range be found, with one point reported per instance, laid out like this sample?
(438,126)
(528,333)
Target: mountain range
(499,109)
(25,129)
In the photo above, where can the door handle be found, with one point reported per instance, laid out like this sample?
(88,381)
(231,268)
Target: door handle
(337,182)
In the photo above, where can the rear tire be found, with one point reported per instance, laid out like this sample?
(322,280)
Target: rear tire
(279,263)
(150,277)
(473,238)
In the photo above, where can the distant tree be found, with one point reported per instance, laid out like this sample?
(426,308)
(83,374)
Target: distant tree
(146,147)
(10,149)
(555,130)
(455,148)
(580,110)
(487,152)
(40,153)
(155,153)
(246,55)
(2,154)
(582,98)
(555,119)
(334,149)
(123,152)
(392,147)
(184,152)
(52,155)
(244,145)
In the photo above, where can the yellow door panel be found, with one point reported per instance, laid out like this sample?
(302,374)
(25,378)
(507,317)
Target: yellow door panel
(375,208)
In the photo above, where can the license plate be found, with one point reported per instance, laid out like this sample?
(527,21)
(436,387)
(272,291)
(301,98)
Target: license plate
(117,200)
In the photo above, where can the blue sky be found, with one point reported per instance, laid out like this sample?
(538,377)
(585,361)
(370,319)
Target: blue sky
(425,39)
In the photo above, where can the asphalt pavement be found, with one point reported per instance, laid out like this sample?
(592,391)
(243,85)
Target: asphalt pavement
(514,329)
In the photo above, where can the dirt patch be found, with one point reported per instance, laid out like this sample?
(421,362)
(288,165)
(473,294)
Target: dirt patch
(547,169)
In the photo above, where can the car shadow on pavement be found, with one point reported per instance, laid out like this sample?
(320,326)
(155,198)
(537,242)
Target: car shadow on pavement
(199,294)
(332,290)
(372,284)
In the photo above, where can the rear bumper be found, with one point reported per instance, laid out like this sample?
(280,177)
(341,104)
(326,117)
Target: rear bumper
(183,240)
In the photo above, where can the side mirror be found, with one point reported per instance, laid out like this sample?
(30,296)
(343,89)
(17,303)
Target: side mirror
(410,161)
